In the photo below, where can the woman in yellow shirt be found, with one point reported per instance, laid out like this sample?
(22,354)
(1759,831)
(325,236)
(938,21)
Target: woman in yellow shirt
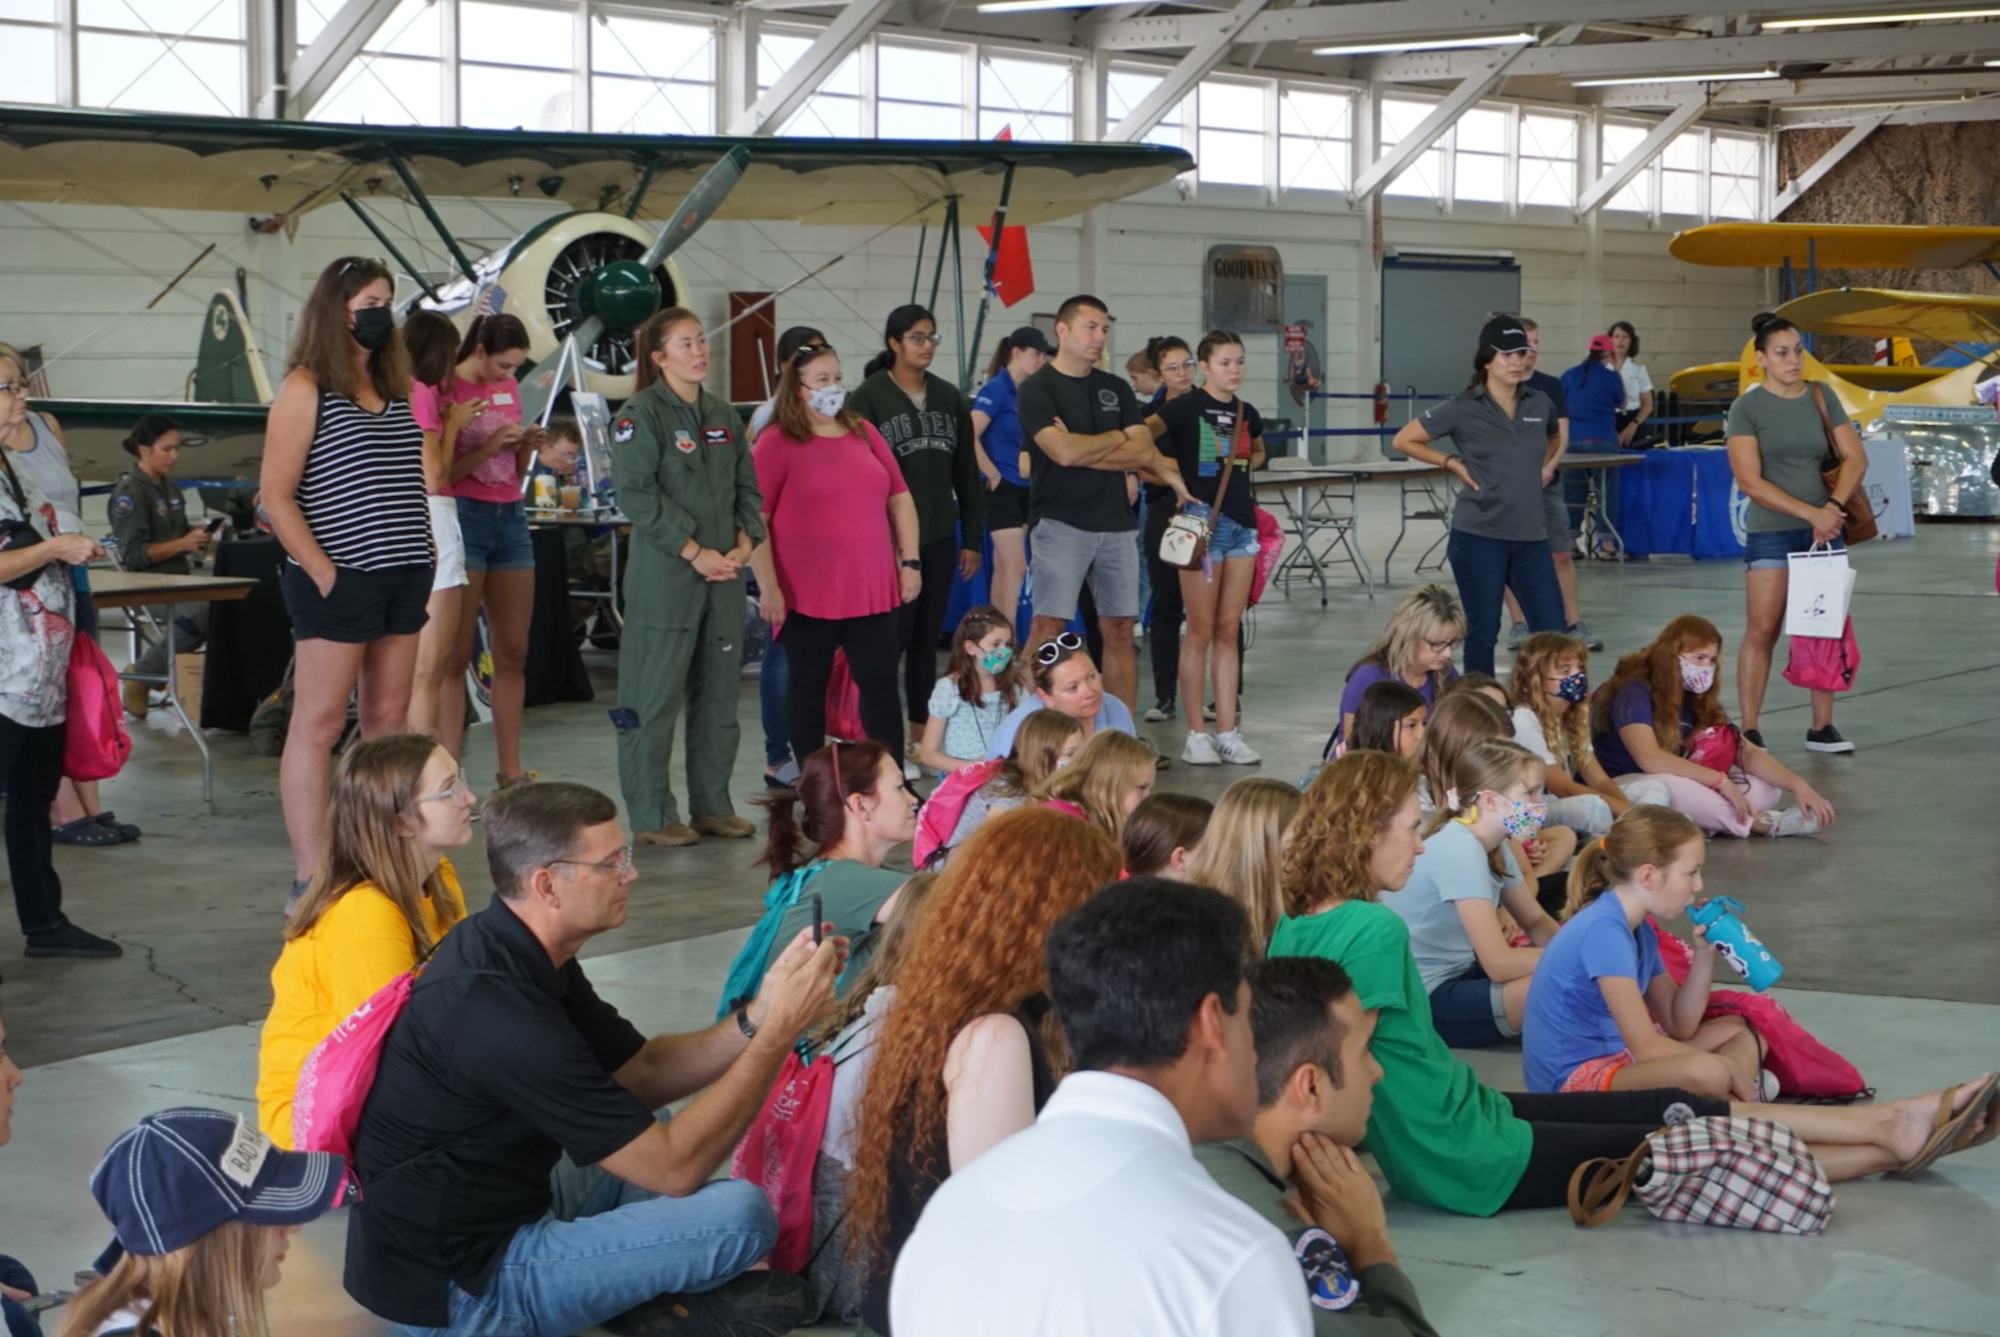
(383,897)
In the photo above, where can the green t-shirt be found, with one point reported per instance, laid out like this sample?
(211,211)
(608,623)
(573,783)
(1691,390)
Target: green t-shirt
(1442,1138)
(1791,445)
(851,895)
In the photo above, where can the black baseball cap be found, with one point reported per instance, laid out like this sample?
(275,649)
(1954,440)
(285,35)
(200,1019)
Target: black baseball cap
(1030,337)
(1503,334)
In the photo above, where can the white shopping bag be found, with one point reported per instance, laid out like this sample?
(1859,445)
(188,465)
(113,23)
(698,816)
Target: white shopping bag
(1818,594)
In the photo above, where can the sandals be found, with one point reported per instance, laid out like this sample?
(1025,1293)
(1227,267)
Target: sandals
(86,831)
(1950,1134)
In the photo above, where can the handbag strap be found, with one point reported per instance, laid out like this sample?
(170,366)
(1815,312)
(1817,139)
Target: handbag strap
(1832,460)
(1609,1184)
(1229,459)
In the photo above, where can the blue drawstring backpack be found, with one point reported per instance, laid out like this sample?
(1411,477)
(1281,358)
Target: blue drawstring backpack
(746,972)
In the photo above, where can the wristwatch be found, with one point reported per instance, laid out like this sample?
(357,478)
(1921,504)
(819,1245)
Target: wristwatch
(743,1022)
(912,563)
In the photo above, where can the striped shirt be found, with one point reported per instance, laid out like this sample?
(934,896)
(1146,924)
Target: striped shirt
(362,493)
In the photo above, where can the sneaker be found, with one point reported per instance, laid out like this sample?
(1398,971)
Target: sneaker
(126,831)
(69,940)
(1516,634)
(501,782)
(730,827)
(1200,750)
(1162,711)
(1827,740)
(1754,737)
(680,833)
(1768,1089)
(1231,747)
(1208,711)
(1581,630)
(1794,822)
(755,1304)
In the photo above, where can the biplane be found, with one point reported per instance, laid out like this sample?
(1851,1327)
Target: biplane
(582,281)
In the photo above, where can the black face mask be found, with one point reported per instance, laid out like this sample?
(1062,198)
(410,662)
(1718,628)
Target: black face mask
(374,326)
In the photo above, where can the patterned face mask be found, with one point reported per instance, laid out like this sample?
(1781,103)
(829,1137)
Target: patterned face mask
(1522,820)
(1697,678)
(996,661)
(1576,687)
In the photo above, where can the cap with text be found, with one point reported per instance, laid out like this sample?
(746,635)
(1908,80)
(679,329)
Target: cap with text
(1503,334)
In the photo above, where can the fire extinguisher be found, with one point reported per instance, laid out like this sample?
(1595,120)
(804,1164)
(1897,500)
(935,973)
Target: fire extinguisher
(1381,403)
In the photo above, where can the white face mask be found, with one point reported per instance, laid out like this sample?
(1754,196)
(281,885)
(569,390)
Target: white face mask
(827,400)
(1697,678)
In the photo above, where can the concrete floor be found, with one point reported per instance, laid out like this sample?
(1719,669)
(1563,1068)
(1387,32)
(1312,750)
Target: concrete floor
(1884,925)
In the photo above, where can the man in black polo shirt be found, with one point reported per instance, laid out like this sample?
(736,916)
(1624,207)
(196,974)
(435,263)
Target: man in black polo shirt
(505,1058)
(1083,431)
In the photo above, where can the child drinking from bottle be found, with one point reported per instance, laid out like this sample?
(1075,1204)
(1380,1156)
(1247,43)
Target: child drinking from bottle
(979,687)
(1477,983)
(1603,1014)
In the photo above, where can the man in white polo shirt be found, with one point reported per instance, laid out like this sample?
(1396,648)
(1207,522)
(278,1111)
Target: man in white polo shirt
(1098,1220)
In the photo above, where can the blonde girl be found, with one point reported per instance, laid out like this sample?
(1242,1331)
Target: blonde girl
(980,686)
(1424,631)
(1242,854)
(1111,775)
(1047,741)
(1477,982)
(1550,688)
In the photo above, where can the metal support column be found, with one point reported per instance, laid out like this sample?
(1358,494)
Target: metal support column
(368,221)
(986,292)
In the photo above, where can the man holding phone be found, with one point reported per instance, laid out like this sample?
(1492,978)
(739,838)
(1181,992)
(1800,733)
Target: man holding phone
(149,525)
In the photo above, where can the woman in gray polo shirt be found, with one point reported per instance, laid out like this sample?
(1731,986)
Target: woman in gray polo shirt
(1777,442)
(1503,431)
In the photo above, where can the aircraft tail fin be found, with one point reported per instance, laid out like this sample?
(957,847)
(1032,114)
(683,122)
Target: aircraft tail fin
(228,368)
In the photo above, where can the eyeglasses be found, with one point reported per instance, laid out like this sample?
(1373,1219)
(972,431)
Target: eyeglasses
(620,862)
(13,387)
(450,791)
(1445,647)
(923,338)
(1178,367)
(1048,652)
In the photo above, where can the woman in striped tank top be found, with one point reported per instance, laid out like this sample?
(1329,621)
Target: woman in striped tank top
(343,483)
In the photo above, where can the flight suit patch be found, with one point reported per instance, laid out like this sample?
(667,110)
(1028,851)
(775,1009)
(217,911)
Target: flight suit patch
(684,443)
(622,431)
(715,436)
(122,506)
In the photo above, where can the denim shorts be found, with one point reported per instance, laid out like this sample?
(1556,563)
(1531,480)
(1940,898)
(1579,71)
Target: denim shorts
(496,535)
(1770,552)
(1468,1013)
(1226,538)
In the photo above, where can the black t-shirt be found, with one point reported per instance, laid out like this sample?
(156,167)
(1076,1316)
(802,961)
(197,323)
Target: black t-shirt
(1201,430)
(1092,500)
(499,1063)
(1553,388)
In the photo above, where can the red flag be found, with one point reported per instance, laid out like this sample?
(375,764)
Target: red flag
(1014,269)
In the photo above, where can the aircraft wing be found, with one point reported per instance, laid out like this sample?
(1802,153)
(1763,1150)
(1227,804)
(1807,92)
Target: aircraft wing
(218,440)
(1880,313)
(1836,246)
(287,167)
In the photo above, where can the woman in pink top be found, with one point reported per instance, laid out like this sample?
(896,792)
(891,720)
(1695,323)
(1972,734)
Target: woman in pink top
(437,698)
(491,455)
(841,558)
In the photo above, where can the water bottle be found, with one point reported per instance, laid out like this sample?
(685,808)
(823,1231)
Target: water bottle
(1738,945)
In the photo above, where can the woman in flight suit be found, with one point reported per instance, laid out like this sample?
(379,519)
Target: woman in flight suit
(686,483)
(150,524)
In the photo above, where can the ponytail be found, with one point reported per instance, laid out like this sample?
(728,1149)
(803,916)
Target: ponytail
(1646,834)
(900,322)
(811,818)
(1589,876)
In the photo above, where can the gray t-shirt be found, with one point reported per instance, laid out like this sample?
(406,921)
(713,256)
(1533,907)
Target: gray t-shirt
(1504,456)
(1452,868)
(1791,445)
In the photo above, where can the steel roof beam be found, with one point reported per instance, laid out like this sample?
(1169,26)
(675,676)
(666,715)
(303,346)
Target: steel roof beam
(1181,79)
(313,74)
(1826,162)
(836,43)
(1441,119)
(1916,84)
(1620,173)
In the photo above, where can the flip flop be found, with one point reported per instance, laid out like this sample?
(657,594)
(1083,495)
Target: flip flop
(1950,1124)
(1989,1132)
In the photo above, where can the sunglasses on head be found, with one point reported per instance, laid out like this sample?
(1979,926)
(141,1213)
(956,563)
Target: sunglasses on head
(807,352)
(1048,652)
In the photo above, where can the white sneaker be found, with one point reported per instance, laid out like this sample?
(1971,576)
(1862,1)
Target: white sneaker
(1234,750)
(1768,1089)
(1795,822)
(1200,750)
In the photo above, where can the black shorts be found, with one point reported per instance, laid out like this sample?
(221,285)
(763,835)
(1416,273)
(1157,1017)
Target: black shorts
(364,607)
(1006,507)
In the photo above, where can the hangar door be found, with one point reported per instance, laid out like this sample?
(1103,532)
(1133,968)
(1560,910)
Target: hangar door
(1432,308)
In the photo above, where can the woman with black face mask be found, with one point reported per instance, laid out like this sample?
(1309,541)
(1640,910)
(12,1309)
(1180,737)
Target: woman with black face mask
(343,483)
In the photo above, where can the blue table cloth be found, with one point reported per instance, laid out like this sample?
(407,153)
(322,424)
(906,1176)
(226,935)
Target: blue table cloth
(1681,501)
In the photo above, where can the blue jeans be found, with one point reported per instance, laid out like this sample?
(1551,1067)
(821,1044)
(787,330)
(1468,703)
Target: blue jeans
(771,680)
(1484,568)
(15,1320)
(607,1247)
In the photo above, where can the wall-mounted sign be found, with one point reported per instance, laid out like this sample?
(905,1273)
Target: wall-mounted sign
(1243,289)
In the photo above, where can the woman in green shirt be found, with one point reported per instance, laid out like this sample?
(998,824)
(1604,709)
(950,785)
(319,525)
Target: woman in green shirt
(1443,1138)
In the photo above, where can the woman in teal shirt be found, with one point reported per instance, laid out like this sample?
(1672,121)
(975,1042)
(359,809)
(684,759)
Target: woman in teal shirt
(1443,1138)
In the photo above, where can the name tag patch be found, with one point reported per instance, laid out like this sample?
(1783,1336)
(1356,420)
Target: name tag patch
(715,436)
(502,398)
(1330,1282)
(622,430)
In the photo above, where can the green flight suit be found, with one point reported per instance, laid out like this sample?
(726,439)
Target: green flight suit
(683,472)
(144,511)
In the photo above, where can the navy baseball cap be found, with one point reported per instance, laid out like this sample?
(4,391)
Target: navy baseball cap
(1030,337)
(1503,334)
(180,1173)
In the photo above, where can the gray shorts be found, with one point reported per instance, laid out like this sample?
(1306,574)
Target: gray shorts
(1065,556)
(1555,512)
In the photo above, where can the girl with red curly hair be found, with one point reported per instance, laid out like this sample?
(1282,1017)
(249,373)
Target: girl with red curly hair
(971,1050)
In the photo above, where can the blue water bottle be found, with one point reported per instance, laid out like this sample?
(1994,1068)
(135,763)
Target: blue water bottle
(1738,945)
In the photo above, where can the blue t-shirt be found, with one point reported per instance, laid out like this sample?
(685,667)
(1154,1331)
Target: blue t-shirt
(1567,1022)
(1111,715)
(1451,869)
(1632,705)
(1002,437)
(1595,394)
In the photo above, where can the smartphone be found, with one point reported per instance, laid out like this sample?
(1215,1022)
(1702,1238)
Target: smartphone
(215,525)
(819,920)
